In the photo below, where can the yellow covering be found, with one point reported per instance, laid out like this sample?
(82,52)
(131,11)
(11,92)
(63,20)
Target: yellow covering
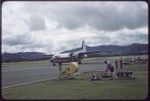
(71,69)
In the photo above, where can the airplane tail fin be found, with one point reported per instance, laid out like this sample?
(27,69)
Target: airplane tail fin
(83,46)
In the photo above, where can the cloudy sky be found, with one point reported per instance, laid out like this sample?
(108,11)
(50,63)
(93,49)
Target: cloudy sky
(52,27)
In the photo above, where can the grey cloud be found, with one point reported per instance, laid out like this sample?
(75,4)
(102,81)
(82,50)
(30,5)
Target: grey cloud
(99,15)
(140,38)
(37,45)
(25,42)
(33,47)
(36,23)
(120,38)
(124,38)
(16,40)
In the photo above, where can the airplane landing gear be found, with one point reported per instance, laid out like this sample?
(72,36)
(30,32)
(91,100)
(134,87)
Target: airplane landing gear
(79,62)
(60,63)
(54,64)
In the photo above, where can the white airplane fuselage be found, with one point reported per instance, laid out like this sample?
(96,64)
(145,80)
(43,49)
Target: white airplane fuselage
(63,58)
(71,57)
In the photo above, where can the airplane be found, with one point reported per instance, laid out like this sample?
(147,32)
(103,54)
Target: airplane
(71,57)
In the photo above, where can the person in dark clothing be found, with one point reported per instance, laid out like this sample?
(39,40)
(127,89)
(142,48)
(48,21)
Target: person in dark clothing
(109,68)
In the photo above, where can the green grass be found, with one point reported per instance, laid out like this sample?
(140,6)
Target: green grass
(85,89)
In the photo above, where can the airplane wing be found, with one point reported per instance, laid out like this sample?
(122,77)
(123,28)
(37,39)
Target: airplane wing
(84,53)
(89,52)
(81,55)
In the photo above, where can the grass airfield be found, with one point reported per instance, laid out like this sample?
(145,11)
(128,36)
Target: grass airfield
(82,88)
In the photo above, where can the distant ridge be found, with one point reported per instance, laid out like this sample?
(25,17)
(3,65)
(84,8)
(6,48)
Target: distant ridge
(134,48)
(24,56)
(106,50)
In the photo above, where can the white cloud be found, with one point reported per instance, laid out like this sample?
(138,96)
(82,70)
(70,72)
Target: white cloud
(52,27)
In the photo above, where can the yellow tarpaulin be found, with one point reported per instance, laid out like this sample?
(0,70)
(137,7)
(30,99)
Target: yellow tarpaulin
(71,69)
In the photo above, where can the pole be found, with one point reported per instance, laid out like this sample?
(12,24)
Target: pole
(116,64)
(60,69)
(121,65)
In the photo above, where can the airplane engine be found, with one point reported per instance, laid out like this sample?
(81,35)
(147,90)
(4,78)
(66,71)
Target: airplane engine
(72,68)
(85,55)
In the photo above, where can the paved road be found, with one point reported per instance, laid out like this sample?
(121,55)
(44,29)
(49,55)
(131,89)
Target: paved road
(24,72)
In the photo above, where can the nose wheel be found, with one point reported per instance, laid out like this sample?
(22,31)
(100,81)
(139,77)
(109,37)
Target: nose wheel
(54,64)
(79,62)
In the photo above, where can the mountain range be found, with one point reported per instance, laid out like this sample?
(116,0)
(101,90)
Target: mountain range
(106,50)
(24,56)
(134,48)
